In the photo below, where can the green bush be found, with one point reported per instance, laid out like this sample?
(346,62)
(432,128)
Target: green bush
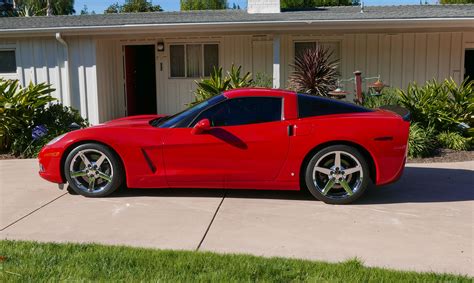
(389,97)
(262,80)
(18,106)
(421,142)
(217,83)
(440,105)
(454,140)
(56,119)
(24,108)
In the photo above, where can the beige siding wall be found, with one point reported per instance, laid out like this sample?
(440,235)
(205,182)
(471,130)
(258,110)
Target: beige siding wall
(46,60)
(111,97)
(39,60)
(404,58)
(399,59)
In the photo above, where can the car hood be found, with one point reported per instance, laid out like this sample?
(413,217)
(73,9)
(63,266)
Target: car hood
(131,121)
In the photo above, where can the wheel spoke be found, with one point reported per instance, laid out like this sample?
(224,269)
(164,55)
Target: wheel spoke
(352,170)
(91,184)
(84,159)
(323,170)
(346,186)
(104,176)
(100,160)
(76,174)
(328,186)
(337,159)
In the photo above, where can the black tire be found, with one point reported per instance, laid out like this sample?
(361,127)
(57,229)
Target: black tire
(112,163)
(340,195)
(70,190)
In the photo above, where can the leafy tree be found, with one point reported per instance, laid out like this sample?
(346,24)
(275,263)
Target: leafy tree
(203,5)
(41,7)
(457,1)
(113,9)
(133,6)
(298,4)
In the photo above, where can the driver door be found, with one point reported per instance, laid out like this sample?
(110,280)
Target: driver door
(248,141)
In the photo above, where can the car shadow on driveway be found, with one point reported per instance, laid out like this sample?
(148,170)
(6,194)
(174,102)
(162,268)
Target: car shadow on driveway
(417,185)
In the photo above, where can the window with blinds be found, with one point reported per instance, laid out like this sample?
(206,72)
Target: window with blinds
(193,60)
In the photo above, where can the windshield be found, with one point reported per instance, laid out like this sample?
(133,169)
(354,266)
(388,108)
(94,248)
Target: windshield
(183,118)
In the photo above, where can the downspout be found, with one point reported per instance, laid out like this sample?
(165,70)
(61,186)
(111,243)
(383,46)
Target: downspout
(67,96)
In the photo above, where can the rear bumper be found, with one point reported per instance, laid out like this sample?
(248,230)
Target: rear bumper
(396,177)
(50,164)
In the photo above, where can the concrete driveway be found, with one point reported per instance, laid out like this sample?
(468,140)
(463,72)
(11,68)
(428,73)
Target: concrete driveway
(424,222)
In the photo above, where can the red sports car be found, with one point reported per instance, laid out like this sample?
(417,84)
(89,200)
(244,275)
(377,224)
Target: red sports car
(242,139)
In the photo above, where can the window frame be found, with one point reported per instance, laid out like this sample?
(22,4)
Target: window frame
(202,69)
(10,74)
(282,113)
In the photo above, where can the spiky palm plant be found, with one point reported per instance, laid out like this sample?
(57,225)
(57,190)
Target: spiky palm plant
(314,72)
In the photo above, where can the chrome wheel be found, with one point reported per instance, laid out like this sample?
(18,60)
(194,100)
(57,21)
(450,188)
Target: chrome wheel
(91,171)
(338,175)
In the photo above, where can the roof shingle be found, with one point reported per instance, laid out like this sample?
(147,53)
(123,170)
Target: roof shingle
(235,16)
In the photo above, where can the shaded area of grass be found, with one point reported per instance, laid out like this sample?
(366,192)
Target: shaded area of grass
(30,261)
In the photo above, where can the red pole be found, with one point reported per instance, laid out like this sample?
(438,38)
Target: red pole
(358,86)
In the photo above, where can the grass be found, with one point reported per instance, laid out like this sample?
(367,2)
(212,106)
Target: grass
(31,262)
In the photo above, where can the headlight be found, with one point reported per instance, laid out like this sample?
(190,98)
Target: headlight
(56,139)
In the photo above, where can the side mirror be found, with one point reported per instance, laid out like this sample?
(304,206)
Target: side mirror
(201,126)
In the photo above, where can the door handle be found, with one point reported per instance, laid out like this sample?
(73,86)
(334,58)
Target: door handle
(291,130)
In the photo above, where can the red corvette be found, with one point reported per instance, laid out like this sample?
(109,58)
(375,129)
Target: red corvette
(241,139)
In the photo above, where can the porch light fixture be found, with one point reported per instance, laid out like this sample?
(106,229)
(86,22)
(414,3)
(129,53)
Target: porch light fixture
(160,46)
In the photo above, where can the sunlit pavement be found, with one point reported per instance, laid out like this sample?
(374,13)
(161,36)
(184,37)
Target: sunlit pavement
(424,222)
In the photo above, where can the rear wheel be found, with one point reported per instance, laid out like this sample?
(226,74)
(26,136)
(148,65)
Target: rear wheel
(337,174)
(93,170)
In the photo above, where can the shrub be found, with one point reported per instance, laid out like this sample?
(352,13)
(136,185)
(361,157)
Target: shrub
(56,119)
(217,83)
(18,107)
(262,80)
(453,140)
(389,97)
(315,73)
(23,109)
(421,142)
(440,105)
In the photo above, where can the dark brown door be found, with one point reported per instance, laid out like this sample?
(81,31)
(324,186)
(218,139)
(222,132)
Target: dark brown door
(140,78)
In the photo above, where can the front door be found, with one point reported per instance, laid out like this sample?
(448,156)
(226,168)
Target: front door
(248,142)
(140,79)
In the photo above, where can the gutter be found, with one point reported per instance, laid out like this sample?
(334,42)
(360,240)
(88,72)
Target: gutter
(67,96)
(252,25)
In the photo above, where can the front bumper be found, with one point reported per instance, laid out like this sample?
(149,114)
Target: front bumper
(50,164)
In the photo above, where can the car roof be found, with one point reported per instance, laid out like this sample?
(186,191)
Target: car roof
(245,92)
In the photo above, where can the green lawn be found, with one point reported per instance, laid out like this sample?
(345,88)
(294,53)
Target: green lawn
(30,262)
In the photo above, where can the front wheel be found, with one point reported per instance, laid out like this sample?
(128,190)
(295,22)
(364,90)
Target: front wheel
(93,170)
(337,174)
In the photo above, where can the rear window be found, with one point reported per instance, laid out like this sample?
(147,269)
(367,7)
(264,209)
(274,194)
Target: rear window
(309,106)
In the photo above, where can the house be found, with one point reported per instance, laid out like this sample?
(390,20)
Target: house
(114,65)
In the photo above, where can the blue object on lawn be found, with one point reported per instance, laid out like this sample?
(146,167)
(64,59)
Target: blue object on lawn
(39,132)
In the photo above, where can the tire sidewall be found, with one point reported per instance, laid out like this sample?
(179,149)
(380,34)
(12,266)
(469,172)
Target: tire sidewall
(117,178)
(344,148)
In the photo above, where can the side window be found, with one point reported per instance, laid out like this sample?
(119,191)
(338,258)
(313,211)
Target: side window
(309,106)
(243,111)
